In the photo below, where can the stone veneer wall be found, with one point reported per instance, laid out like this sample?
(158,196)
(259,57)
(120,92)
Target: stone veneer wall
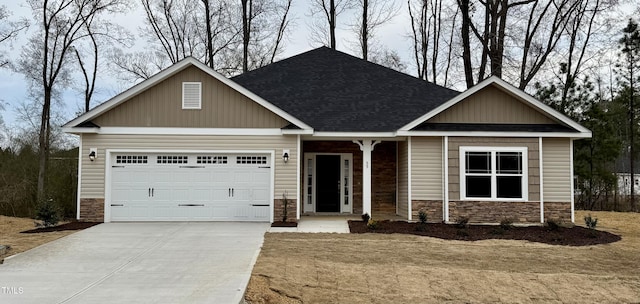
(383,178)
(494,212)
(433,209)
(92,210)
(557,210)
(278,210)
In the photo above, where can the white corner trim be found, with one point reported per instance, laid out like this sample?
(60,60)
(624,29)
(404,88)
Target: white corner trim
(409,197)
(299,178)
(170,71)
(541,183)
(509,88)
(79,191)
(445,151)
(573,215)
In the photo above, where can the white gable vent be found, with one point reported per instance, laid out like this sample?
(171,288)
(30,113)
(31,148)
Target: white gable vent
(191,95)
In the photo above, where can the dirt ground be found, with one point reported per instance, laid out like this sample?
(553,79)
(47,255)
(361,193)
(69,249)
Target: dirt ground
(10,228)
(378,268)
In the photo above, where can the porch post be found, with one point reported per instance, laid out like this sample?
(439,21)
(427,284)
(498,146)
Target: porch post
(366,146)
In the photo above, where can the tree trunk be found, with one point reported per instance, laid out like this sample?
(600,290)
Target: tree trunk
(466,44)
(43,144)
(632,129)
(332,23)
(207,11)
(246,33)
(365,30)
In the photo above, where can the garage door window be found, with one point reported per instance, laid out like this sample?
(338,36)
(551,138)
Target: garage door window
(211,160)
(173,159)
(131,159)
(259,160)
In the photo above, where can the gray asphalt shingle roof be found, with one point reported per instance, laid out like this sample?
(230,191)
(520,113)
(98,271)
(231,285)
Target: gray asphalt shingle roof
(335,92)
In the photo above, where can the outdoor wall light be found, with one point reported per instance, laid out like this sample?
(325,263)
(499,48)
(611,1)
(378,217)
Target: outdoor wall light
(285,156)
(93,154)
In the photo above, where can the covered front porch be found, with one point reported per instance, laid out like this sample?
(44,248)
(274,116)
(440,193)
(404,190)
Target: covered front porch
(349,177)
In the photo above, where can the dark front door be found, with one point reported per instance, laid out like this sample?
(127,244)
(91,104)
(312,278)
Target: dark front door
(328,183)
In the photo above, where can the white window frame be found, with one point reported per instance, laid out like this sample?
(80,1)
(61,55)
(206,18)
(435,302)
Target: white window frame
(199,106)
(493,151)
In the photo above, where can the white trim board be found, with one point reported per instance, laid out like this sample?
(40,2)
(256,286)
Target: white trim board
(494,80)
(170,71)
(178,131)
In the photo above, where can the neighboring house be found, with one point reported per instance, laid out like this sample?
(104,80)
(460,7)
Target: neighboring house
(623,173)
(331,132)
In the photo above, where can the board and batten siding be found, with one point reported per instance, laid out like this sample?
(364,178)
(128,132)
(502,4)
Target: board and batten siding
(403,179)
(426,168)
(533,161)
(93,173)
(161,106)
(556,157)
(491,105)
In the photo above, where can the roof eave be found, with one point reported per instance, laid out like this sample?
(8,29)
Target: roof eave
(575,135)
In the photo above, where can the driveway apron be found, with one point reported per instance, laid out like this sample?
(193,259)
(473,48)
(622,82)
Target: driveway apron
(179,262)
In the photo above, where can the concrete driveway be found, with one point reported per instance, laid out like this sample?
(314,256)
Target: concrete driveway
(184,262)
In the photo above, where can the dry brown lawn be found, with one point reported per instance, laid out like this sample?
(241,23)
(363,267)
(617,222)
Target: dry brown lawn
(378,268)
(10,228)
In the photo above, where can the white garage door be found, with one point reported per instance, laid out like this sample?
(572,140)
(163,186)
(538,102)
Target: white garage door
(190,187)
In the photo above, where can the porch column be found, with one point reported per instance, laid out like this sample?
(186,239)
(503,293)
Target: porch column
(366,146)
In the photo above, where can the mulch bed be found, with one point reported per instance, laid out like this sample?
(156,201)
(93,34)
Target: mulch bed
(284,224)
(574,236)
(67,226)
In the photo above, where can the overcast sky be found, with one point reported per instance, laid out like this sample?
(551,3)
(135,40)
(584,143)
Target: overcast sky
(392,35)
(13,87)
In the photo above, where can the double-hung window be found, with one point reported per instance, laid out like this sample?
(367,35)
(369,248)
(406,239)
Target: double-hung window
(493,173)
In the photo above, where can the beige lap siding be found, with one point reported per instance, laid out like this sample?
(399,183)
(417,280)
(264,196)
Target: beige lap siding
(557,175)
(93,173)
(427,177)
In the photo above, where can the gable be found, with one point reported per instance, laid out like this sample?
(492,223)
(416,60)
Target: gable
(161,106)
(491,105)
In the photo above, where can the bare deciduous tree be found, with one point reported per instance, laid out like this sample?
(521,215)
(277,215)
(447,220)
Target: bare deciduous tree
(325,14)
(8,31)
(374,13)
(46,58)
(431,22)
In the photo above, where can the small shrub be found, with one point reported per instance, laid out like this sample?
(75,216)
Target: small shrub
(366,217)
(553,224)
(506,223)
(462,222)
(590,222)
(422,215)
(372,224)
(48,212)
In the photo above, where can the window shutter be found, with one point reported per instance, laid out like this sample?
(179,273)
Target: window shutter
(191,95)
